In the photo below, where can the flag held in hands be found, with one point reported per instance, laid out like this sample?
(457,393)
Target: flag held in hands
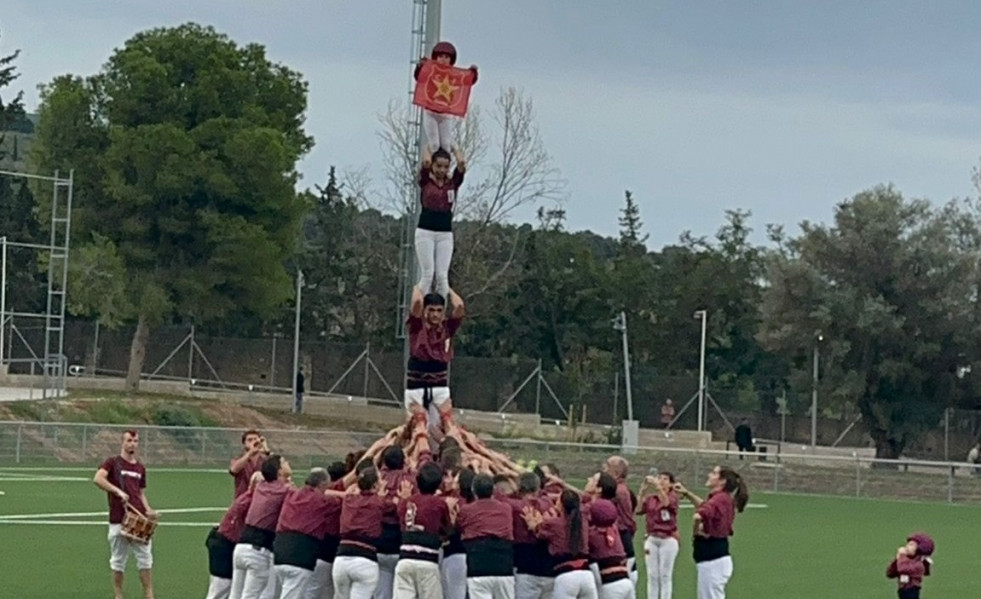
(443,89)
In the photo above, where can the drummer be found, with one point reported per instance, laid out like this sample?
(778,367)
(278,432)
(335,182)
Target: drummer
(123,478)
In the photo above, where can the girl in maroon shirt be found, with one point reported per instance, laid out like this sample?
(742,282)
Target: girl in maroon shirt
(434,233)
(712,525)
(606,552)
(659,505)
(912,563)
(568,546)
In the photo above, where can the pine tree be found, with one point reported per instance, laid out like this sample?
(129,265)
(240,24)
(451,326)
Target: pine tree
(13,110)
(631,225)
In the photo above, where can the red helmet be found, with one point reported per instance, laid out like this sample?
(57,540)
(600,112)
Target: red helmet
(924,544)
(444,48)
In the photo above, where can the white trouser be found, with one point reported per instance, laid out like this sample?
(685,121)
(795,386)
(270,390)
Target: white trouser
(660,553)
(632,570)
(354,577)
(292,580)
(252,572)
(321,584)
(491,587)
(713,577)
(120,547)
(621,589)
(417,579)
(453,575)
(527,586)
(386,575)
(219,588)
(578,584)
(434,250)
(439,130)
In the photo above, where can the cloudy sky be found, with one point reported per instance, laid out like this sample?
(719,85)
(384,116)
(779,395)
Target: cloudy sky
(780,107)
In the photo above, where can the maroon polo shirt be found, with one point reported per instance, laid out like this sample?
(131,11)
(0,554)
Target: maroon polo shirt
(909,571)
(233,522)
(485,518)
(662,518)
(422,519)
(522,534)
(432,344)
(243,476)
(718,513)
(392,479)
(361,516)
(555,531)
(305,512)
(605,543)
(131,478)
(625,512)
(438,200)
(267,501)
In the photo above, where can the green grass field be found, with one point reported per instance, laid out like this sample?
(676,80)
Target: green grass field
(785,546)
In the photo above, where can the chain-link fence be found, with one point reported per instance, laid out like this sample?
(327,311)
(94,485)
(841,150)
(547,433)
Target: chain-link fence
(487,384)
(48,444)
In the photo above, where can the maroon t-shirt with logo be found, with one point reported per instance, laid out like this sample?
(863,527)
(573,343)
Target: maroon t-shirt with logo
(131,478)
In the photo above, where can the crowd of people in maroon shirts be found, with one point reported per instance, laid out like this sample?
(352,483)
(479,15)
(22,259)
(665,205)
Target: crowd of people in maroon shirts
(408,518)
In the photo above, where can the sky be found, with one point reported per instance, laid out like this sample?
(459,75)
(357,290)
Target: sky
(783,108)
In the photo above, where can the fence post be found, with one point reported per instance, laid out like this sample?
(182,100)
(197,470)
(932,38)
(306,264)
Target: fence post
(85,434)
(858,476)
(204,444)
(950,485)
(776,478)
(17,448)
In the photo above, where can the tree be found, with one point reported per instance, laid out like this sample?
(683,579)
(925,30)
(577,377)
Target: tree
(630,225)
(891,288)
(11,111)
(187,145)
(25,281)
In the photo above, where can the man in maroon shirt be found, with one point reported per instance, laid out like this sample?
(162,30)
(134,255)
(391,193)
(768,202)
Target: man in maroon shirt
(253,455)
(300,531)
(423,518)
(393,473)
(253,556)
(616,466)
(487,530)
(431,349)
(123,478)
(533,576)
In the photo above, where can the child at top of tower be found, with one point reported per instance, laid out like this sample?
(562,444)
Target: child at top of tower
(438,126)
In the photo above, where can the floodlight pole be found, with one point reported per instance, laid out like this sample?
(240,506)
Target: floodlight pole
(814,390)
(3,301)
(701,371)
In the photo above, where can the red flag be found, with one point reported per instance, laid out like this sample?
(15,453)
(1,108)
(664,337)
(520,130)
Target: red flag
(443,89)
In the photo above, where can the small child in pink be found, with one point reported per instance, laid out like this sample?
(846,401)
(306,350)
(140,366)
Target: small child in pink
(912,563)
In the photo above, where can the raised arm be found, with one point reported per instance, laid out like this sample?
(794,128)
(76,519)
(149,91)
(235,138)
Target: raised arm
(427,156)
(461,161)
(459,310)
(415,308)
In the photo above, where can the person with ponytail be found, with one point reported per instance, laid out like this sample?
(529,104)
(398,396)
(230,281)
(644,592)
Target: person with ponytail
(712,527)
(568,546)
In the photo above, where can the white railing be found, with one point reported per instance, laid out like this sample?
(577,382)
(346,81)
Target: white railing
(77,444)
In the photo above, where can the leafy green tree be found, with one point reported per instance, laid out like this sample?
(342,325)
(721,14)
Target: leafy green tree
(891,286)
(25,281)
(12,110)
(185,146)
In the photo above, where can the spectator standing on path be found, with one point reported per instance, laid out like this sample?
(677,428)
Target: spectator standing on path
(667,413)
(300,388)
(974,457)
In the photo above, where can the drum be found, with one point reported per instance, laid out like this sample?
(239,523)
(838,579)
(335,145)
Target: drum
(136,526)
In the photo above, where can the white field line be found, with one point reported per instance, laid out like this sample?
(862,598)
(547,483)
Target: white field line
(189,510)
(90,523)
(43,479)
(14,469)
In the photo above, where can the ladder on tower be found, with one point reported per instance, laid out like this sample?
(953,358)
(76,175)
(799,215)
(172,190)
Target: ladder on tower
(408,269)
(55,362)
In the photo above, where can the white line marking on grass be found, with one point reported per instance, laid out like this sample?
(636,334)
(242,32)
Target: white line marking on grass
(749,506)
(188,510)
(44,479)
(89,523)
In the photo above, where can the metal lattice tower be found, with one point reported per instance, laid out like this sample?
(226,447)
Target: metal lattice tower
(425,33)
(55,361)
